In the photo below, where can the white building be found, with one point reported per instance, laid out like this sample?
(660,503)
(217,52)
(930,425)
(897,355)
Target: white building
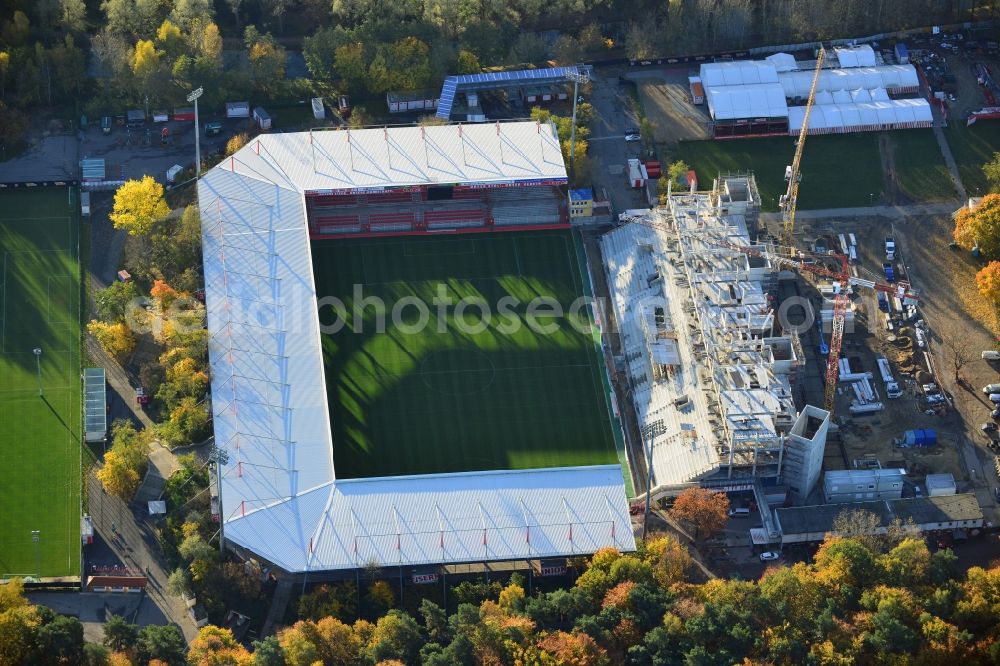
(701,348)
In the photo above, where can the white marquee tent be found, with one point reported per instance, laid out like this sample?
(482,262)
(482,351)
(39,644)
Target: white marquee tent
(856,56)
(862,116)
(762,100)
(782,62)
(737,73)
(894,78)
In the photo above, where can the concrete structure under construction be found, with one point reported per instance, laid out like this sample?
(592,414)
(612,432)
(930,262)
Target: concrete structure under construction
(709,369)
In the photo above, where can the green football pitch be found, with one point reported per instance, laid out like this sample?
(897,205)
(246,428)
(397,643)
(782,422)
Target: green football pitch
(442,388)
(40,308)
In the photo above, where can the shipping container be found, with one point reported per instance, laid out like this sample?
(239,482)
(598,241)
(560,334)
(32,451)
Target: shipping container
(697,90)
(237,109)
(184,114)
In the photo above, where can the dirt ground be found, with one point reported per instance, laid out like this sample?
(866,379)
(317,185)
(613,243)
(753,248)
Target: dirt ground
(667,103)
(953,312)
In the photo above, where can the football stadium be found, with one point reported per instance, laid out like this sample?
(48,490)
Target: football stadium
(406,363)
(40,397)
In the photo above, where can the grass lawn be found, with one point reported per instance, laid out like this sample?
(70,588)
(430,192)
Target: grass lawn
(920,166)
(40,307)
(460,394)
(973,147)
(837,170)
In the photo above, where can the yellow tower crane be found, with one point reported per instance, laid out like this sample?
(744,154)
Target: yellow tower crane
(792,174)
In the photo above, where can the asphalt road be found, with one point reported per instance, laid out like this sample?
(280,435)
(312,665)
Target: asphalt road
(134,543)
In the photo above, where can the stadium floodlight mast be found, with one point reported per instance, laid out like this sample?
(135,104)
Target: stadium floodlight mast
(193,97)
(36,536)
(581,75)
(37,351)
(650,431)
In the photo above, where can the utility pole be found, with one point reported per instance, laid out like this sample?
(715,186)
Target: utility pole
(581,75)
(650,431)
(37,351)
(193,97)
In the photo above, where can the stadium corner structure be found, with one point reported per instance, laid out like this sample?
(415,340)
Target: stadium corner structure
(279,494)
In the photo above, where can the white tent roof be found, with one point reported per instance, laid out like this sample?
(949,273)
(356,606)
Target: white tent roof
(798,83)
(832,116)
(856,56)
(737,73)
(783,62)
(762,100)
(279,492)
(376,158)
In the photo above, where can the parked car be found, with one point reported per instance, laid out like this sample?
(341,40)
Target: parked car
(996,493)
(991,355)
(769,556)
(213,129)
(632,134)
(988,427)
(995,414)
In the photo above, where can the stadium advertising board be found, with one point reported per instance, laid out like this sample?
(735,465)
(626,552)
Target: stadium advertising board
(363,190)
(489,185)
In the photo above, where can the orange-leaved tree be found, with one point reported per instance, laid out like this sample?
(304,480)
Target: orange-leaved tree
(980,226)
(703,510)
(988,282)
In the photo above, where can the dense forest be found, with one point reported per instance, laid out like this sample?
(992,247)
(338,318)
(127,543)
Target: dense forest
(74,56)
(861,601)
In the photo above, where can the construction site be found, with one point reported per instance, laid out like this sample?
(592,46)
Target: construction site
(758,354)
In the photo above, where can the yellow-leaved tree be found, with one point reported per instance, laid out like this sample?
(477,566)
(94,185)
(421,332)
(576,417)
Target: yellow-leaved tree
(215,645)
(146,60)
(117,476)
(988,282)
(138,206)
(117,339)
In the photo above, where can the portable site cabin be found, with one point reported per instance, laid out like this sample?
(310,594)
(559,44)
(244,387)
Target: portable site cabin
(418,100)
(697,90)
(160,117)
(262,118)
(237,109)
(136,118)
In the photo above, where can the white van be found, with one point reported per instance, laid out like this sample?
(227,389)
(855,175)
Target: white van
(995,398)
(991,355)
(739,513)
(991,388)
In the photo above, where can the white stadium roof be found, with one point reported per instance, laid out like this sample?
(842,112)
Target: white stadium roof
(737,73)
(403,156)
(759,100)
(279,493)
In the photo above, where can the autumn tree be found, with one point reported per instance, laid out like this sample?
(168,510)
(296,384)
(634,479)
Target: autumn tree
(988,282)
(959,354)
(267,63)
(215,645)
(705,511)
(115,338)
(236,142)
(138,205)
(980,226)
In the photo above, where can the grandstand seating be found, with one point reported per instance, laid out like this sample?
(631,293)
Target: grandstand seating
(416,212)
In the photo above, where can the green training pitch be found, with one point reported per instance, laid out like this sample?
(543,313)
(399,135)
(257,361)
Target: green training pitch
(40,307)
(457,394)
(838,170)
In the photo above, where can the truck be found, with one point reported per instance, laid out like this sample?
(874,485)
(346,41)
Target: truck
(890,273)
(635,178)
(890,248)
(892,389)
